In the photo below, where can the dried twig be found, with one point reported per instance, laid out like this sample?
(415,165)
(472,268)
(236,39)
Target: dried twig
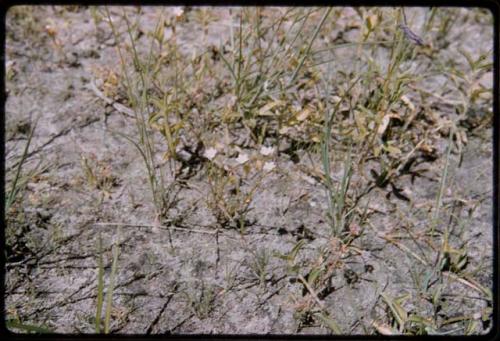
(311,291)
(157,226)
(119,107)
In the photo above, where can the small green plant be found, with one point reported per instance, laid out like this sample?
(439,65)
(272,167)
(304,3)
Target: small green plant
(290,257)
(230,276)
(442,184)
(98,174)
(390,86)
(227,199)
(259,265)
(138,93)
(404,322)
(260,75)
(316,284)
(339,213)
(202,304)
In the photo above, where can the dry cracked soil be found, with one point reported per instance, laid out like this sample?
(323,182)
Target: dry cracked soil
(273,266)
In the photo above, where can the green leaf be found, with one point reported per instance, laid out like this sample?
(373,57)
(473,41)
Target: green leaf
(111,287)
(293,254)
(100,286)
(313,275)
(397,310)
(426,281)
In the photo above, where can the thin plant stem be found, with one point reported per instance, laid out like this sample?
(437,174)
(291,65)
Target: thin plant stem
(100,285)
(111,286)
(323,19)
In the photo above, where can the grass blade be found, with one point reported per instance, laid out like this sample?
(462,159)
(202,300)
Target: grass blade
(100,286)
(306,53)
(109,294)
(16,188)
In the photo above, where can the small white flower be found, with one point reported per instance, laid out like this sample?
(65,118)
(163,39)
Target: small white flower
(266,150)
(178,11)
(336,99)
(242,158)
(284,130)
(210,153)
(269,166)
(303,115)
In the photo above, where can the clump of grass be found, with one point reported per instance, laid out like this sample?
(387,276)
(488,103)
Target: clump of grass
(202,304)
(404,322)
(227,198)
(161,89)
(17,225)
(138,95)
(316,284)
(442,184)
(390,87)
(261,75)
(339,212)
(259,265)
(372,117)
(98,174)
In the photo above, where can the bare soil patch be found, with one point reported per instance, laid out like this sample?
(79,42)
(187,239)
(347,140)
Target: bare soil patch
(273,170)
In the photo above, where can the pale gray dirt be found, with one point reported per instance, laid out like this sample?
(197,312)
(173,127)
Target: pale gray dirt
(186,280)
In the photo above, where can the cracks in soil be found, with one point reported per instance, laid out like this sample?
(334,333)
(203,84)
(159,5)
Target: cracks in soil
(65,131)
(160,313)
(308,229)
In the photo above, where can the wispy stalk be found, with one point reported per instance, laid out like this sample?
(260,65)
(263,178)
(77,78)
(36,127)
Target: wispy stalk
(100,285)
(17,183)
(336,196)
(111,287)
(442,184)
(306,53)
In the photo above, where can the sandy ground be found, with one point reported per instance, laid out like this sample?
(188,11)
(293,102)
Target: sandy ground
(197,277)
